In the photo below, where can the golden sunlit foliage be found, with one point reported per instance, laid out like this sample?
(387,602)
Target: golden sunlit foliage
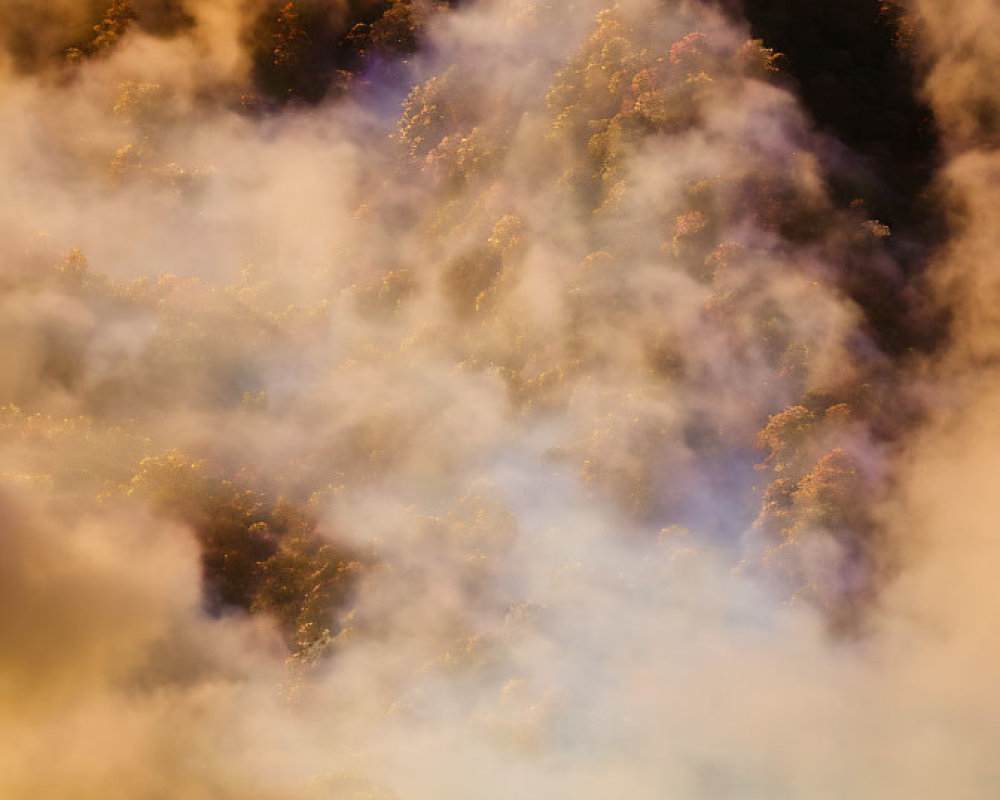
(258,553)
(107,33)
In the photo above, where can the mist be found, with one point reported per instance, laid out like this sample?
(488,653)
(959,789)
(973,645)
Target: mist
(403,400)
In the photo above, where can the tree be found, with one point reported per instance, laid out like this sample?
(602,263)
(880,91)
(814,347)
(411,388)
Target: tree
(108,32)
(258,554)
(396,30)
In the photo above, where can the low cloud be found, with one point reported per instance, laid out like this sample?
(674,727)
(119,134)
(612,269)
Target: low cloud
(503,424)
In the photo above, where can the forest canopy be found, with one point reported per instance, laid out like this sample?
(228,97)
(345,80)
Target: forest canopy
(405,399)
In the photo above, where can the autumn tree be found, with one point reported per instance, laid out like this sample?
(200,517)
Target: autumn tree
(396,30)
(257,553)
(107,33)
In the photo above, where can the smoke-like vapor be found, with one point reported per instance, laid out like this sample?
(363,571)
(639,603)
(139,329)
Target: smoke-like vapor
(493,408)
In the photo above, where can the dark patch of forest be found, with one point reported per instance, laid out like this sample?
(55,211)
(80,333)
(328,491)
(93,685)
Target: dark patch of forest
(852,65)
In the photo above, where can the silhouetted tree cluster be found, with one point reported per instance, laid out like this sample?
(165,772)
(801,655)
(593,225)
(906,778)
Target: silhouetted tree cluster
(851,62)
(258,553)
(107,33)
(306,49)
